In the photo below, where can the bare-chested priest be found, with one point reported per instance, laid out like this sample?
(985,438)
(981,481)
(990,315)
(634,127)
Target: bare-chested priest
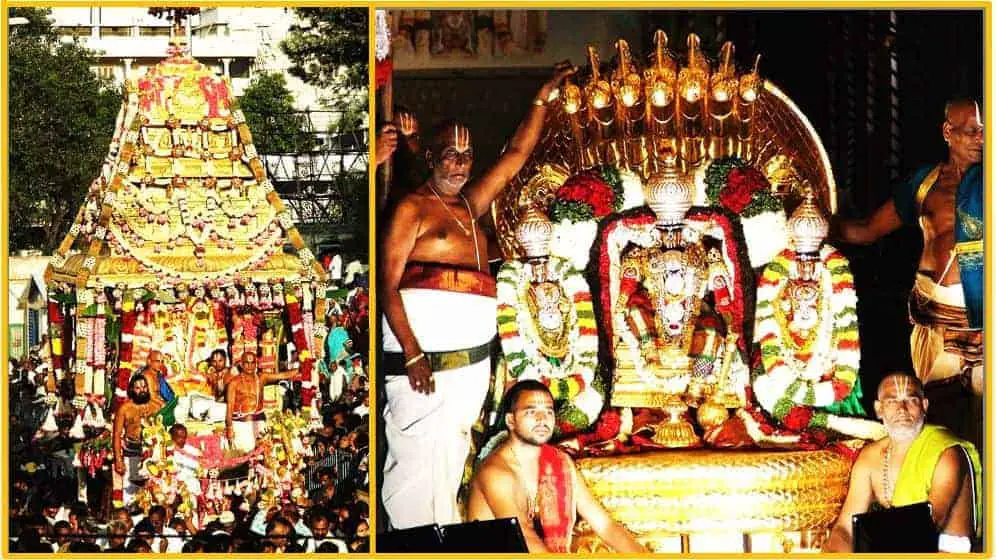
(946,303)
(439,310)
(536,483)
(127,438)
(917,462)
(244,418)
(153,372)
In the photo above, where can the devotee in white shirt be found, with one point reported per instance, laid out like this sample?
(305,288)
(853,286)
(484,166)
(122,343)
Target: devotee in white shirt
(186,457)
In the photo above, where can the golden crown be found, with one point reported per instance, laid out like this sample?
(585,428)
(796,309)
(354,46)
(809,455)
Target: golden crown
(637,112)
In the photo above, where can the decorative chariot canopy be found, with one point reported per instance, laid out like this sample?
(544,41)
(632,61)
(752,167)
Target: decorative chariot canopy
(181,245)
(183,195)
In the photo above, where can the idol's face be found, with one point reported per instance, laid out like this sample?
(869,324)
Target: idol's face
(452,156)
(532,418)
(901,407)
(964,133)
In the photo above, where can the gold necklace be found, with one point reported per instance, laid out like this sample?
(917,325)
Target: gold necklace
(886,482)
(463,228)
(532,504)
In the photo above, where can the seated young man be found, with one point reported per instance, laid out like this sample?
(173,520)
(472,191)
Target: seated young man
(509,482)
(917,462)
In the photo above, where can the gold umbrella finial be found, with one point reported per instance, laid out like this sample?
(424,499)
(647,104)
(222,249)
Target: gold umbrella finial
(660,45)
(593,61)
(726,58)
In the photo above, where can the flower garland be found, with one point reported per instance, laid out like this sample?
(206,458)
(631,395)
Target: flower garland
(588,196)
(570,380)
(832,359)
(129,318)
(93,455)
(733,184)
(743,190)
(55,333)
(734,252)
(382,49)
(295,314)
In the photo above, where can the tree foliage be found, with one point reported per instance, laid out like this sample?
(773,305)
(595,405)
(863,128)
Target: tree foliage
(61,119)
(329,49)
(269,109)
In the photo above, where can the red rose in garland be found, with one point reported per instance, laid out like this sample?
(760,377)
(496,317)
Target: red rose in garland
(383,70)
(747,178)
(733,184)
(798,418)
(736,196)
(840,389)
(591,195)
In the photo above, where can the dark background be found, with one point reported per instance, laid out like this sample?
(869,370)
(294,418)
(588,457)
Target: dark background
(873,84)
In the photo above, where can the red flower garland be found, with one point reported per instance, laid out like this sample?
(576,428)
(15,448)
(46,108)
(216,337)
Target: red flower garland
(300,341)
(590,189)
(55,319)
(128,320)
(383,70)
(798,418)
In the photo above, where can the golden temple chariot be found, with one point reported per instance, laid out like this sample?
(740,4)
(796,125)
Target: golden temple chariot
(672,270)
(181,245)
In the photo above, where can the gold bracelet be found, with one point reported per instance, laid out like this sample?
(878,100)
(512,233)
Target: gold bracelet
(414,360)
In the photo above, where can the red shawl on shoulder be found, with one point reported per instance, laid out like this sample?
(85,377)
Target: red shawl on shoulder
(555,499)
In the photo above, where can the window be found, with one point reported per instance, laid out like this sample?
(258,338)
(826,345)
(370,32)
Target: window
(115,31)
(34,323)
(75,31)
(153,31)
(239,68)
(105,71)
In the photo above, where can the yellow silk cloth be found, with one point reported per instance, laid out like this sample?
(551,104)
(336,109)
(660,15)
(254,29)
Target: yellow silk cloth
(917,472)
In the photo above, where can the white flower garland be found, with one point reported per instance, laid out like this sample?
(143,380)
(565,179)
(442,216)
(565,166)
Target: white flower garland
(519,339)
(573,241)
(382,44)
(765,235)
(834,351)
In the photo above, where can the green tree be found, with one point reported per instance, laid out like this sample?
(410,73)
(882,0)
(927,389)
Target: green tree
(329,49)
(269,109)
(61,119)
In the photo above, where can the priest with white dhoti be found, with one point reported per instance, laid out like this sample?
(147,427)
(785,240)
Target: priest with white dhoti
(440,318)
(429,433)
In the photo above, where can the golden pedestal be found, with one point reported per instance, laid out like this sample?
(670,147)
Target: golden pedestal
(719,501)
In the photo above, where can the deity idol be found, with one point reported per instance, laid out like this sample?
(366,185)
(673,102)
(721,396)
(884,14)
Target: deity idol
(675,343)
(807,328)
(547,325)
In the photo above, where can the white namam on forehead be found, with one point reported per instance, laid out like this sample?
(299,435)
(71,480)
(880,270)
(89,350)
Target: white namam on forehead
(903,387)
(461,137)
